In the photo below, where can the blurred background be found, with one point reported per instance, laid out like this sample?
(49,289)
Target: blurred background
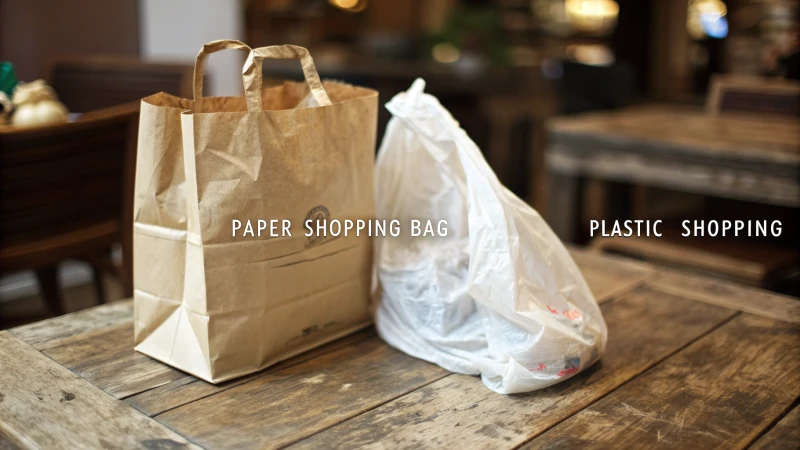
(666,110)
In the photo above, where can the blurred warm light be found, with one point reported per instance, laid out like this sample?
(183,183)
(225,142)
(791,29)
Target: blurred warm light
(593,16)
(707,18)
(349,5)
(345,4)
(445,53)
(591,54)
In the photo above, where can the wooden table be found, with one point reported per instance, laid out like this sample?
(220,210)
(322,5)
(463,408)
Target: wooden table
(691,363)
(737,156)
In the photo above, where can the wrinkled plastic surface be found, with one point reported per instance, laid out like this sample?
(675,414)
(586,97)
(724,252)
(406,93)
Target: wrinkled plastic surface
(499,295)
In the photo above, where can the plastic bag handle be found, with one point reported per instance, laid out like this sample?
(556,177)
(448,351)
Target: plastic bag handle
(199,65)
(253,78)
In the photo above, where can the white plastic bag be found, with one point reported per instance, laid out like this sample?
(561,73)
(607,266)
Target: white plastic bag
(499,295)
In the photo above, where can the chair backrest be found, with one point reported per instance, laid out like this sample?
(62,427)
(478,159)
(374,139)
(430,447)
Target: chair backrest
(56,179)
(91,83)
(749,94)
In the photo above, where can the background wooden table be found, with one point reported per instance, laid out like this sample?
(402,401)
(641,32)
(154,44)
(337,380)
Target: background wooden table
(736,156)
(691,363)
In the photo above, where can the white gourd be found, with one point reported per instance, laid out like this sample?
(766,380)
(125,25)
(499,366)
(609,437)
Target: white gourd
(37,104)
(5,107)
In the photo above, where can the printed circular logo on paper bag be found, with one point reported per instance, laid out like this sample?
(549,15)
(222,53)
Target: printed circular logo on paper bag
(319,216)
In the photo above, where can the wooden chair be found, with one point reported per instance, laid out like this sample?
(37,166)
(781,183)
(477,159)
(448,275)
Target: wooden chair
(67,191)
(91,83)
(62,191)
(100,83)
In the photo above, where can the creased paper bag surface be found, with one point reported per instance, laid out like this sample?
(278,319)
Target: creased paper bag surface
(220,306)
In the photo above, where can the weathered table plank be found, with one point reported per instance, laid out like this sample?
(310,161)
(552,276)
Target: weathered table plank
(459,412)
(609,276)
(76,326)
(97,343)
(667,331)
(188,389)
(699,398)
(729,295)
(108,361)
(743,157)
(44,405)
(281,407)
(785,435)
(681,128)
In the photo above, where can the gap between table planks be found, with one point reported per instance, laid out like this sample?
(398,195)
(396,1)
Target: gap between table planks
(457,411)
(97,343)
(729,295)
(77,326)
(606,281)
(608,278)
(629,274)
(785,435)
(188,389)
(699,398)
(55,408)
(283,406)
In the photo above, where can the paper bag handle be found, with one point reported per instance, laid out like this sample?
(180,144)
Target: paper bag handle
(253,78)
(199,65)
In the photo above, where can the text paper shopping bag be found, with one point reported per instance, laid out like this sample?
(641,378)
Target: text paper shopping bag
(220,304)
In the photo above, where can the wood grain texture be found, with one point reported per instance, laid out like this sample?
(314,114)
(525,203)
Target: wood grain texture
(677,372)
(677,128)
(109,362)
(188,388)
(729,295)
(459,412)
(96,343)
(785,435)
(79,325)
(287,405)
(608,276)
(739,157)
(44,405)
(765,186)
(703,397)
(695,257)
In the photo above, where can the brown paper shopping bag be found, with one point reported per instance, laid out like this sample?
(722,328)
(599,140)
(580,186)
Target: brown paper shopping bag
(219,304)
